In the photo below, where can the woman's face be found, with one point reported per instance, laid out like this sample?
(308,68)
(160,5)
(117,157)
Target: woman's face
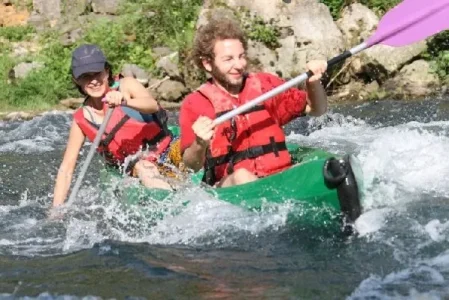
(94,84)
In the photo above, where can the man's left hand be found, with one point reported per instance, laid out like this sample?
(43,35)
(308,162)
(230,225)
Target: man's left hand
(318,67)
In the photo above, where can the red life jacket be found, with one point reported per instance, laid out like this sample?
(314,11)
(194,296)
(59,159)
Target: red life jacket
(252,140)
(125,136)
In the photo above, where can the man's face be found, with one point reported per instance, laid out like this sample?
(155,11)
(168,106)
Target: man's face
(229,64)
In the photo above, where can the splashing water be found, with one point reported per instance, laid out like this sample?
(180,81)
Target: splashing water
(400,251)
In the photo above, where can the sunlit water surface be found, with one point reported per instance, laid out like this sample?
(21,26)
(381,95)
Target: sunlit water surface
(213,250)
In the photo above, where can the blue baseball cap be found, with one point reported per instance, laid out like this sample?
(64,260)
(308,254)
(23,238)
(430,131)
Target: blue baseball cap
(87,59)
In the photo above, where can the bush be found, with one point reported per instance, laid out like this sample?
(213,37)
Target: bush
(128,39)
(335,6)
(257,30)
(438,53)
(161,23)
(378,6)
(118,47)
(17,33)
(41,88)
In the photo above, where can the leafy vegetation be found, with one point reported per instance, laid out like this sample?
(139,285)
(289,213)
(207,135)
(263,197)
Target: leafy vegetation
(438,54)
(17,33)
(257,30)
(378,6)
(142,25)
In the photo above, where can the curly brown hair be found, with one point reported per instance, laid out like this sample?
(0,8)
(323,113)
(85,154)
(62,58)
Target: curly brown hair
(217,29)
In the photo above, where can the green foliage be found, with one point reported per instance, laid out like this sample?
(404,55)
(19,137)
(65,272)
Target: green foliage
(119,49)
(142,24)
(438,53)
(267,34)
(41,88)
(335,6)
(17,33)
(161,22)
(378,6)
(6,63)
(23,4)
(438,43)
(440,65)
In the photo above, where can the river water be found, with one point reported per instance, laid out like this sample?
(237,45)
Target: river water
(212,250)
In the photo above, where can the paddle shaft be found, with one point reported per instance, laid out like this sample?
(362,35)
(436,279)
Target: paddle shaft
(92,150)
(289,84)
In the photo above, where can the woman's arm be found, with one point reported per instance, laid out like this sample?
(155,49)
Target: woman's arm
(137,96)
(65,172)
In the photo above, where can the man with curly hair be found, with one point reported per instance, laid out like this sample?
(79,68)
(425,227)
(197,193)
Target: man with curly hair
(252,144)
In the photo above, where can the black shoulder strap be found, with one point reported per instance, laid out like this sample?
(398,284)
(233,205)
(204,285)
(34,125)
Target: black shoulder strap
(105,142)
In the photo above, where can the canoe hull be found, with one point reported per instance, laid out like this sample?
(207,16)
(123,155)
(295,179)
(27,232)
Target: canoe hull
(321,188)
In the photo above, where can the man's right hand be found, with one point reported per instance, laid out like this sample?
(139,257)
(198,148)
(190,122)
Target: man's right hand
(204,130)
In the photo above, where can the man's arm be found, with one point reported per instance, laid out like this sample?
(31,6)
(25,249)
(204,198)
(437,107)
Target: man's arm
(316,99)
(196,130)
(194,156)
(316,96)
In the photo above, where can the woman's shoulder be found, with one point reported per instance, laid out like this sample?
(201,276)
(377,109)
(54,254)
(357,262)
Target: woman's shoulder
(128,81)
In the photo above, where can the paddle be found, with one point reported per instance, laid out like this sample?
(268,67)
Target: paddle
(408,22)
(86,163)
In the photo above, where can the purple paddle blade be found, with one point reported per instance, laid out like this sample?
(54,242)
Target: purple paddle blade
(411,21)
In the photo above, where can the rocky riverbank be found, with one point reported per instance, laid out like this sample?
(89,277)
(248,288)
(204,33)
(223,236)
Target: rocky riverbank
(284,35)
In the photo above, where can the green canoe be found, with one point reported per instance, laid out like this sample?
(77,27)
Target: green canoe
(321,187)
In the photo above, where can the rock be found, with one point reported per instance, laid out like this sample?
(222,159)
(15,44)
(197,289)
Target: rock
(171,91)
(155,83)
(49,9)
(192,76)
(169,65)
(76,7)
(18,115)
(70,38)
(309,31)
(209,12)
(159,52)
(131,70)
(379,62)
(413,81)
(348,92)
(106,6)
(356,91)
(72,103)
(357,23)
(12,116)
(25,48)
(295,64)
(37,21)
(25,115)
(23,69)
(262,57)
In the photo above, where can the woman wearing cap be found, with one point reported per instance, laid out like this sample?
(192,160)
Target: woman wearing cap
(137,123)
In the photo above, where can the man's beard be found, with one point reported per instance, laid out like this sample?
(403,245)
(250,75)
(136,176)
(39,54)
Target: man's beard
(231,87)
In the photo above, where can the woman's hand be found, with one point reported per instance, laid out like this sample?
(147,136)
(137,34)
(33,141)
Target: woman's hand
(114,98)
